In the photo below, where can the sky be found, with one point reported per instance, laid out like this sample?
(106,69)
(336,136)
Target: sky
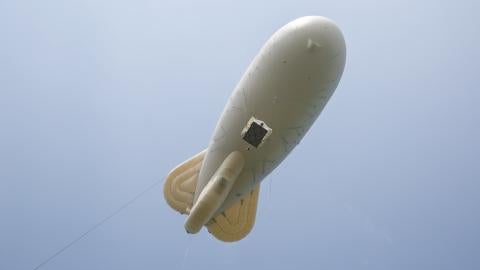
(101,99)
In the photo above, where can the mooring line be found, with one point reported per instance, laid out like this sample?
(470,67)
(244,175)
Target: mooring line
(97,225)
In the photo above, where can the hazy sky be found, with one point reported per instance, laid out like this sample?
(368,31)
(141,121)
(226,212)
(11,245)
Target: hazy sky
(100,99)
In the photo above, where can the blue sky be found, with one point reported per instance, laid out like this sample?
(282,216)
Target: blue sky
(100,99)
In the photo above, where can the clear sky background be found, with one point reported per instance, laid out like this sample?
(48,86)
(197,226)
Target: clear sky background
(100,98)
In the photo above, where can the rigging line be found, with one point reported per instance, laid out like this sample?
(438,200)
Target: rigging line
(97,225)
(270,195)
(187,250)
